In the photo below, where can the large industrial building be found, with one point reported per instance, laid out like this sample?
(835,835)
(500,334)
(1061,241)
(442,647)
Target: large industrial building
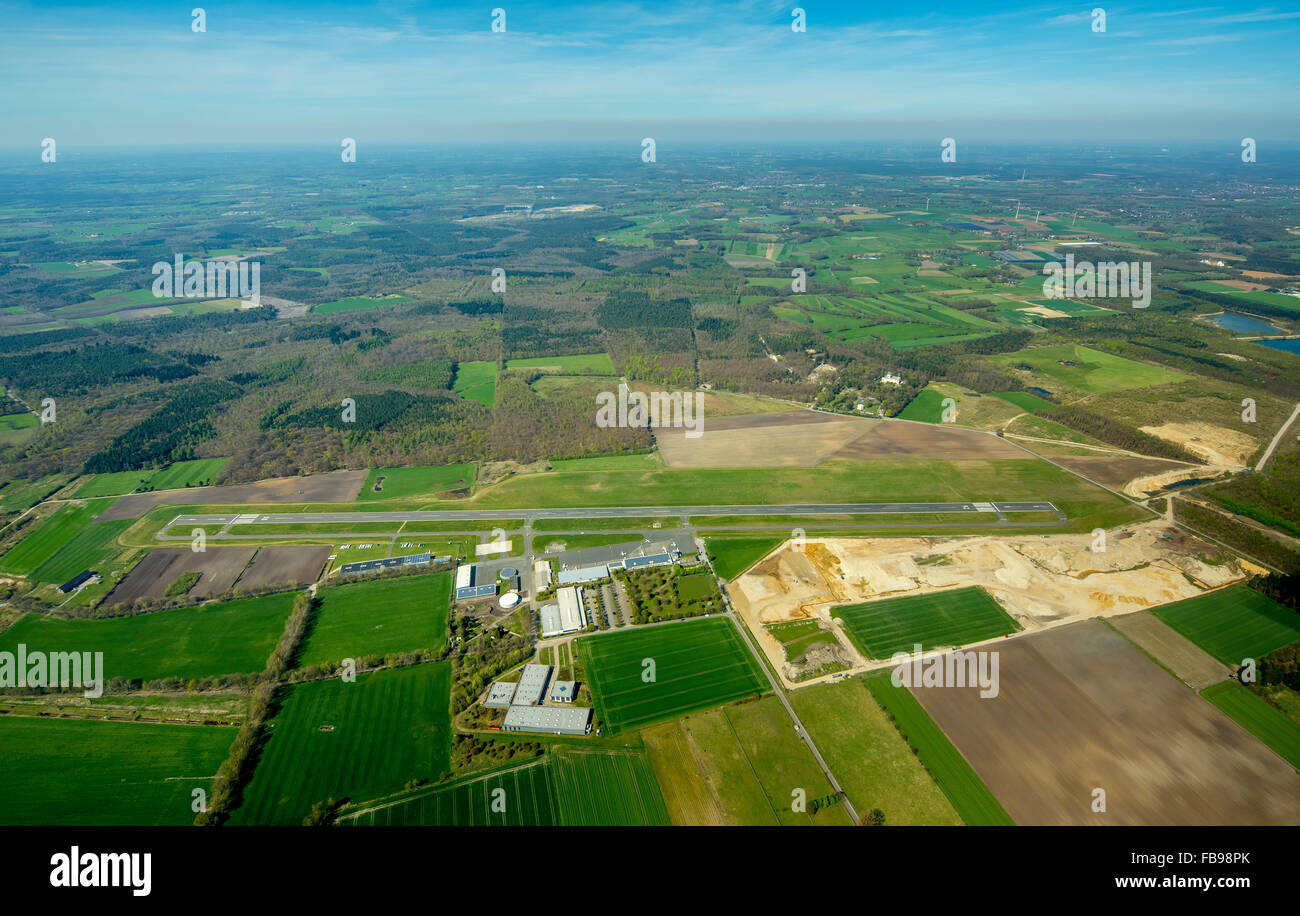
(567,616)
(554,720)
(532,685)
(365,566)
(592,564)
(467,586)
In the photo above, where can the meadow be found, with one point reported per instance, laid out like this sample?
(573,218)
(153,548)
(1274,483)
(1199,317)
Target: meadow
(357,741)
(49,537)
(71,772)
(90,548)
(798,636)
(1088,370)
(357,303)
(755,761)
(379,617)
(953,617)
(586,363)
(971,799)
(418,481)
(477,381)
(850,727)
(732,556)
(697,664)
(228,637)
(1233,623)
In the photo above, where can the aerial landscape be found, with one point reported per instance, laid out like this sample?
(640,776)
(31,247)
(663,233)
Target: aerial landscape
(672,480)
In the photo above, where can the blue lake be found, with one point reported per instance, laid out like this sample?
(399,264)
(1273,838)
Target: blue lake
(1291,345)
(1242,324)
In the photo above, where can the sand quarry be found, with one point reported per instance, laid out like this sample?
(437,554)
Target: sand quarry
(1041,581)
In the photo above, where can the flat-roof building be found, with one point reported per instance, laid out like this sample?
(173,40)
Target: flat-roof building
(532,685)
(550,615)
(585,574)
(467,587)
(80,579)
(564,691)
(553,720)
(500,694)
(573,616)
(365,566)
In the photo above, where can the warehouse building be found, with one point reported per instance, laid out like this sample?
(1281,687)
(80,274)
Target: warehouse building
(583,575)
(550,615)
(564,691)
(573,616)
(365,566)
(552,720)
(467,586)
(532,685)
(500,694)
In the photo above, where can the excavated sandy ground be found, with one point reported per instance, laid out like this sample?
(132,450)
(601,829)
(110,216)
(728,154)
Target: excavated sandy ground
(1040,581)
(1140,487)
(1212,444)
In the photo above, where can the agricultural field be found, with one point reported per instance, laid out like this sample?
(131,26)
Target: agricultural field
(354,741)
(588,363)
(90,548)
(953,617)
(568,787)
(379,617)
(219,568)
(732,556)
(49,537)
(966,792)
(199,472)
(697,664)
(869,757)
(1259,717)
(798,636)
(397,483)
(357,304)
(228,637)
(477,381)
(753,762)
(81,772)
(1233,624)
(1062,708)
(1079,368)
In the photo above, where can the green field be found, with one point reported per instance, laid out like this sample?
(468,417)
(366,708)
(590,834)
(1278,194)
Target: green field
(697,664)
(606,788)
(49,537)
(477,381)
(798,636)
(69,772)
(971,799)
(199,472)
(418,481)
(1257,716)
(357,741)
(587,363)
(569,787)
(600,524)
(17,495)
(357,303)
(953,617)
(850,728)
(228,637)
(114,484)
(1024,400)
(639,462)
(755,761)
(926,407)
(1085,369)
(379,617)
(1233,623)
(732,556)
(90,548)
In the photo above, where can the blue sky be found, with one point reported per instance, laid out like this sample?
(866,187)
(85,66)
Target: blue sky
(405,72)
